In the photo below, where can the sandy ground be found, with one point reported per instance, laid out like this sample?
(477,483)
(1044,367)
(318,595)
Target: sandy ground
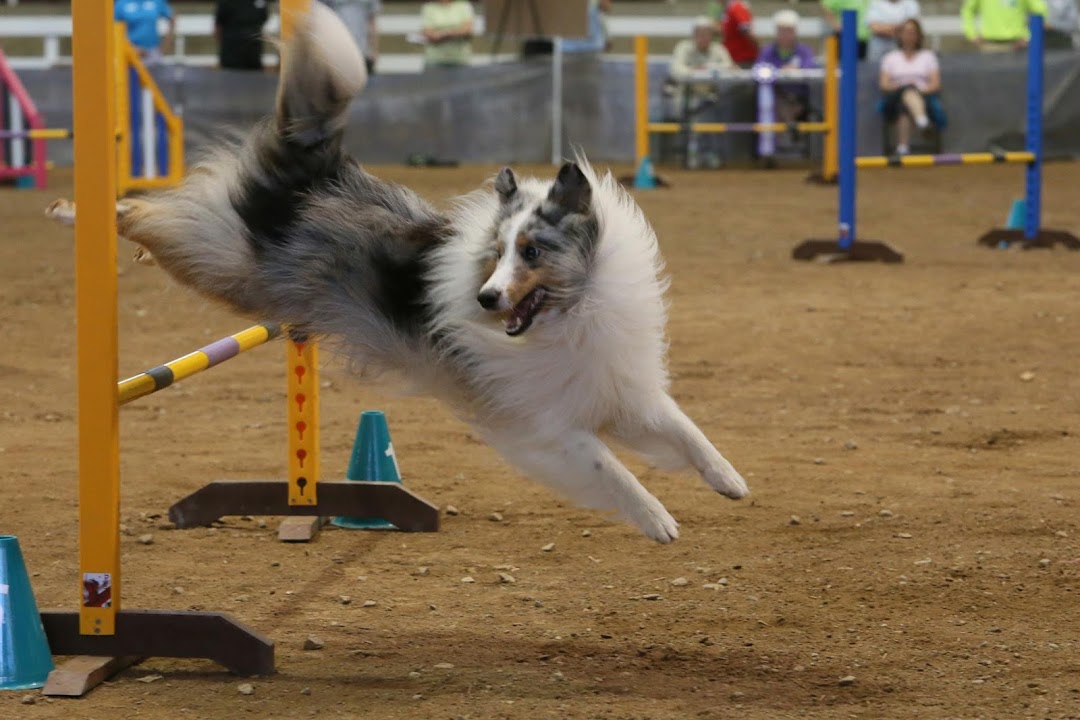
(914,520)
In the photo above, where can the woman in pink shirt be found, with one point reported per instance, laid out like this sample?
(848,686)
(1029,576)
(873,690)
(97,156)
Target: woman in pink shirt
(910,81)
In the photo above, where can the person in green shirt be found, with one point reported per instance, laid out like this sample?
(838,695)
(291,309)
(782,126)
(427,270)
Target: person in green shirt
(1003,24)
(447,27)
(833,10)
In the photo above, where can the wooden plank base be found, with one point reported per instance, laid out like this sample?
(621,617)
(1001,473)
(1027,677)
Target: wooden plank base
(83,673)
(860,251)
(166,633)
(387,500)
(300,529)
(1044,240)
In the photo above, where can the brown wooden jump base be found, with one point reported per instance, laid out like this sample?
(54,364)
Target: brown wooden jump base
(390,501)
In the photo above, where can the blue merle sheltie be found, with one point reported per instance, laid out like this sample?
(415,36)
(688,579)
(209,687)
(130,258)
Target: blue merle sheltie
(534,308)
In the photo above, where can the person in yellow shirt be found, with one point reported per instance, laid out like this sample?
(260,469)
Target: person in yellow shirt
(1002,24)
(447,27)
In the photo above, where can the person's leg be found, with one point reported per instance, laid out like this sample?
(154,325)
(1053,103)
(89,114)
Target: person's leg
(903,134)
(915,106)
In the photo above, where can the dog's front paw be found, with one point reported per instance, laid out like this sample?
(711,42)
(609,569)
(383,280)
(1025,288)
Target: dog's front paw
(655,522)
(725,480)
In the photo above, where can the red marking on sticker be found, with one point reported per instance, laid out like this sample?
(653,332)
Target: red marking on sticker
(300,370)
(300,398)
(299,348)
(300,428)
(300,455)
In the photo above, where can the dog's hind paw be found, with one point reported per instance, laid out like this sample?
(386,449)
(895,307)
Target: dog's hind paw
(656,522)
(727,481)
(62,211)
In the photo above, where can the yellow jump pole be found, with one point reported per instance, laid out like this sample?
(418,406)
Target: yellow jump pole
(302,367)
(96,315)
(830,163)
(123,110)
(641,98)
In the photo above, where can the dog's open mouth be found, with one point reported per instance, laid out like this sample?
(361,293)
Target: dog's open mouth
(522,314)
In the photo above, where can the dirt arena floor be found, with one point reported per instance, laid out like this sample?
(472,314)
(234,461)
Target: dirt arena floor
(911,434)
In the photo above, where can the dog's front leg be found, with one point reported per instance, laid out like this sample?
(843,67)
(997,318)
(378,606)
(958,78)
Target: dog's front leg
(580,466)
(671,426)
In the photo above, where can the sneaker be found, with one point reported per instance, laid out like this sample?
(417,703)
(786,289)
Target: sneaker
(903,150)
(922,122)
(693,160)
(713,161)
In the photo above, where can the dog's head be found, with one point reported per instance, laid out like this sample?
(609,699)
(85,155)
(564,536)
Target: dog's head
(541,249)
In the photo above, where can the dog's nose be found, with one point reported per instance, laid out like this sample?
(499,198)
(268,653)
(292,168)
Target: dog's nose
(488,299)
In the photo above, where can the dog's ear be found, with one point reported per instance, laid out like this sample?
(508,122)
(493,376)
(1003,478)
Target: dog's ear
(571,192)
(506,184)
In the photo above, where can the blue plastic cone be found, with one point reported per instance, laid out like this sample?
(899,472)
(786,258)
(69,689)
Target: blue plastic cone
(1017,213)
(645,179)
(372,459)
(25,660)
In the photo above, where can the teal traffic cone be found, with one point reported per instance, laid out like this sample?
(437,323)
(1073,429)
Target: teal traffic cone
(1017,214)
(372,459)
(645,179)
(25,660)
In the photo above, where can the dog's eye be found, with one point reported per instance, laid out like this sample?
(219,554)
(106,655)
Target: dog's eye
(530,252)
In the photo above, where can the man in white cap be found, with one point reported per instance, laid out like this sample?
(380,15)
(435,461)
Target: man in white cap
(692,63)
(787,53)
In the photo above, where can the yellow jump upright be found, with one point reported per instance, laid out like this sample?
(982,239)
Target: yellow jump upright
(96,316)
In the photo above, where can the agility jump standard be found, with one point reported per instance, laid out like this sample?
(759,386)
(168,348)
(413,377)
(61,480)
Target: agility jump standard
(105,634)
(828,127)
(149,135)
(848,247)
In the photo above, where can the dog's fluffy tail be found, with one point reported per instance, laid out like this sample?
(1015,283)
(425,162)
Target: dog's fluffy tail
(323,72)
(210,232)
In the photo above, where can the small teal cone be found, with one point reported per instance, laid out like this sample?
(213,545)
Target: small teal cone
(25,659)
(1017,214)
(645,179)
(372,459)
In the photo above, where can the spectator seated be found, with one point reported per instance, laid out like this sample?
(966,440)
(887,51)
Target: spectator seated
(910,83)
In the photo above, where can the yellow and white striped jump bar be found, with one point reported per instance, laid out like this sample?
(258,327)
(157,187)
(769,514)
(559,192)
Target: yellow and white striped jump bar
(899,161)
(215,353)
(37,134)
(720,128)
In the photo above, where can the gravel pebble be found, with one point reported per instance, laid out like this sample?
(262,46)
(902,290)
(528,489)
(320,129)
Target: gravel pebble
(313,643)
(885,513)
(846,681)
(506,578)
(246,689)
(904,536)
(1027,376)
(369,603)
(344,599)
(794,520)
(495,517)
(680,582)
(305,691)
(847,513)
(851,445)
(443,666)
(415,675)
(451,510)
(147,539)
(586,533)
(467,579)
(1044,563)
(549,547)
(28,699)
(819,461)
(651,596)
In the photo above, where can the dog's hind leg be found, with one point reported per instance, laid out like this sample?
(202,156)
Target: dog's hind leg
(63,212)
(667,426)
(580,466)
